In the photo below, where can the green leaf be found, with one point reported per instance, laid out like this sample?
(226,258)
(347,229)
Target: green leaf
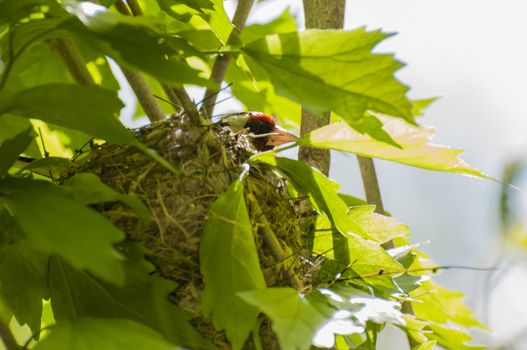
(23,276)
(12,124)
(451,338)
(143,298)
(379,227)
(285,23)
(50,166)
(416,151)
(261,96)
(71,106)
(354,313)
(295,318)
(229,264)
(10,149)
(429,345)
(11,11)
(255,90)
(87,189)
(322,191)
(126,39)
(418,106)
(441,305)
(55,223)
(332,70)
(199,15)
(103,334)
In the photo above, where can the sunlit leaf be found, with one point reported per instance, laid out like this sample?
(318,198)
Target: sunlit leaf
(418,106)
(441,305)
(451,338)
(429,345)
(295,318)
(229,264)
(256,91)
(103,334)
(55,223)
(285,23)
(416,149)
(379,227)
(352,314)
(331,70)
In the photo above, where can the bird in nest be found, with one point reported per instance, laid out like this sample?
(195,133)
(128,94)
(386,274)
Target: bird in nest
(266,133)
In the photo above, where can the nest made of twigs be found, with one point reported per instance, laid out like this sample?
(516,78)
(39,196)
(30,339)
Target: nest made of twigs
(208,159)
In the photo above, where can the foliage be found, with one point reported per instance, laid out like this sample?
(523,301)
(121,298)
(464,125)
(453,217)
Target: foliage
(55,246)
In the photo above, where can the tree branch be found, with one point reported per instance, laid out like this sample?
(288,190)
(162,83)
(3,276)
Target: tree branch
(222,62)
(72,58)
(144,94)
(320,14)
(178,96)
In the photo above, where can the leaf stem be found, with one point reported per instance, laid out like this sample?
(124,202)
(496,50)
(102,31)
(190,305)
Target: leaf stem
(272,241)
(222,62)
(7,337)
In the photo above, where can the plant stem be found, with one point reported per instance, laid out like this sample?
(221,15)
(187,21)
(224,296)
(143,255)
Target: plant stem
(272,242)
(222,62)
(72,58)
(7,337)
(177,96)
(144,94)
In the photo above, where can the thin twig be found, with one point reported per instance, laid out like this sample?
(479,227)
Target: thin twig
(222,62)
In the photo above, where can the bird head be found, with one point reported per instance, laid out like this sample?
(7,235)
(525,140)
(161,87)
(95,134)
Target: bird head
(266,133)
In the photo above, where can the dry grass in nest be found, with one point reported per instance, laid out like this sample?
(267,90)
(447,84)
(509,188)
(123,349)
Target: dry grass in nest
(208,159)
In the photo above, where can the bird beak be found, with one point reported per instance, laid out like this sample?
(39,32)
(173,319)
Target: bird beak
(279,137)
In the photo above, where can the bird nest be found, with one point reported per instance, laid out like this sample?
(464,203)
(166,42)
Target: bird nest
(207,160)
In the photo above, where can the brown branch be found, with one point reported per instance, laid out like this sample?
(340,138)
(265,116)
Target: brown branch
(72,58)
(316,157)
(178,96)
(144,94)
(320,14)
(222,62)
